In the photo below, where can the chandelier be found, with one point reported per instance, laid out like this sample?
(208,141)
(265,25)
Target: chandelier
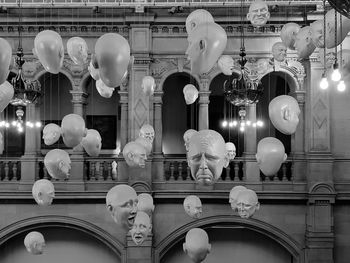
(243,90)
(341,6)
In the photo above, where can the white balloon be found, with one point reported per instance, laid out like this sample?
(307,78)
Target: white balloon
(190,93)
(148,85)
(6,94)
(225,64)
(92,143)
(77,50)
(103,89)
(196,18)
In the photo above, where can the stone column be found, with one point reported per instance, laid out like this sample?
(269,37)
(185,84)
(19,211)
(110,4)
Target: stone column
(123,118)
(158,158)
(252,173)
(203,112)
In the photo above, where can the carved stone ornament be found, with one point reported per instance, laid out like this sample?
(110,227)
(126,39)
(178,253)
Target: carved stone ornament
(160,66)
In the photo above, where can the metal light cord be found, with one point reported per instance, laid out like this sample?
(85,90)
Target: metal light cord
(324,36)
(335,38)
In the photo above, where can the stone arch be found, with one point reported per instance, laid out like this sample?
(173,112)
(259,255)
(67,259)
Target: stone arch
(216,71)
(64,72)
(173,71)
(65,222)
(83,82)
(286,241)
(322,188)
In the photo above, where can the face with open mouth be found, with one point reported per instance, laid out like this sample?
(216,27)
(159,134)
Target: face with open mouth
(141,228)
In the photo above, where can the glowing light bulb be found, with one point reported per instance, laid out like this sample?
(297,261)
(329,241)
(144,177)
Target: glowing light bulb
(20,129)
(241,128)
(38,124)
(254,124)
(324,82)
(242,123)
(235,123)
(224,124)
(248,123)
(341,86)
(14,123)
(230,124)
(336,76)
(259,123)
(7,124)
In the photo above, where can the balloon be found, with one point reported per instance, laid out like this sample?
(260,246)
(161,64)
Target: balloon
(279,51)
(73,129)
(148,85)
(193,206)
(332,41)
(190,93)
(6,94)
(57,163)
(135,154)
(113,56)
(330,57)
(51,133)
(197,245)
(145,143)
(5,59)
(141,228)
(43,192)
(145,204)
(258,13)
(231,150)
(206,43)
(233,196)
(288,34)
(147,132)
(283,112)
(92,143)
(317,34)
(93,69)
(197,17)
(303,42)
(103,90)
(49,48)
(225,64)
(270,155)
(247,203)
(187,136)
(34,243)
(77,50)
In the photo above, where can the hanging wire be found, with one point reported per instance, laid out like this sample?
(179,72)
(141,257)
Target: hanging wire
(335,33)
(324,36)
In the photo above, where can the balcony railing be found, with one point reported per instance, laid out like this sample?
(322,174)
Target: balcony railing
(10,169)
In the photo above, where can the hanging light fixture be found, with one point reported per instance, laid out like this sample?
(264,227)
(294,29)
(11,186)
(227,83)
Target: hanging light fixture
(324,82)
(26,91)
(242,91)
(336,76)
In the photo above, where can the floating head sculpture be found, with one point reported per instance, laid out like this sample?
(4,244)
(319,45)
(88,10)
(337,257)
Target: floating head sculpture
(197,17)
(43,192)
(304,43)
(5,60)
(233,196)
(51,133)
(283,112)
(207,156)
(270,155)
(92,143)
(258,13)
(57,163)
(206,43)
(34,243)
(73,129)
(147,132)
(148,85)
(247,203)
(146,144)
(279,51)
(187,136)
(77,50)
(121,201)
(197,245)
(94,72)
(190,93)
(193,206)
(145,204)
(342,27)
(231,150)
(48,47)
(317,33)
(6,94)
(141,228)
(103,89)
(288,34)
(226,64)
(135,154)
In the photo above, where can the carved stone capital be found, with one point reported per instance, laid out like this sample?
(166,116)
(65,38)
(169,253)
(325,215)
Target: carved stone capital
(123,97)
(77,71)
(79,97)
(204,97)
(157,97)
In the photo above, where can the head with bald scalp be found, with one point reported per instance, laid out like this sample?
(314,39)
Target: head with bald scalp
(247,203)
(197,245)
(193,206)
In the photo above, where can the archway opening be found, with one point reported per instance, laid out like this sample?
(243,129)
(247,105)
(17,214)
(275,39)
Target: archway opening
(55,102)
(275,84)
(220,109)
(234,243)
(177,117)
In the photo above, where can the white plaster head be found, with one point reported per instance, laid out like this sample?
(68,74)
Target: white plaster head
(57,163)
(146,144)
(51,133)
(231,150)
(317,33)
(48,47)
(197,245)
(141,228)
(5,60)
(226,64)
(207,156)
(145,204)
(206,43)
(342,27)
(303,43)
(43,192)
(147,132)
(34,243)
(279,51)
(135,154)
(77,50)
(284,114)
(233,196)
(187,136)
(288,34)
(6,94)
(94,72)
(330,57)
(258,13)
(103,89)
(73,129)
(2,146)
(247,203)
(92,143)
(190,93)
(148,85)
(197,17)
(270,155)
(121,201)
(193,206)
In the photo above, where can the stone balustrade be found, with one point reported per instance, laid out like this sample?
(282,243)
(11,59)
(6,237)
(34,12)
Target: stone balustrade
(10,169)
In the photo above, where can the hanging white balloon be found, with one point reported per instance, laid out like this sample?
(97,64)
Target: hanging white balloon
(103,89)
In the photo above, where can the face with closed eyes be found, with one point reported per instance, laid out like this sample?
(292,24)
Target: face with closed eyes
(121,202)
(193,206)
(247,203)
(258,13)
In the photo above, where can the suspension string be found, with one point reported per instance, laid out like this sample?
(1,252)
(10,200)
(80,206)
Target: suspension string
(324,36)
(335,32)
